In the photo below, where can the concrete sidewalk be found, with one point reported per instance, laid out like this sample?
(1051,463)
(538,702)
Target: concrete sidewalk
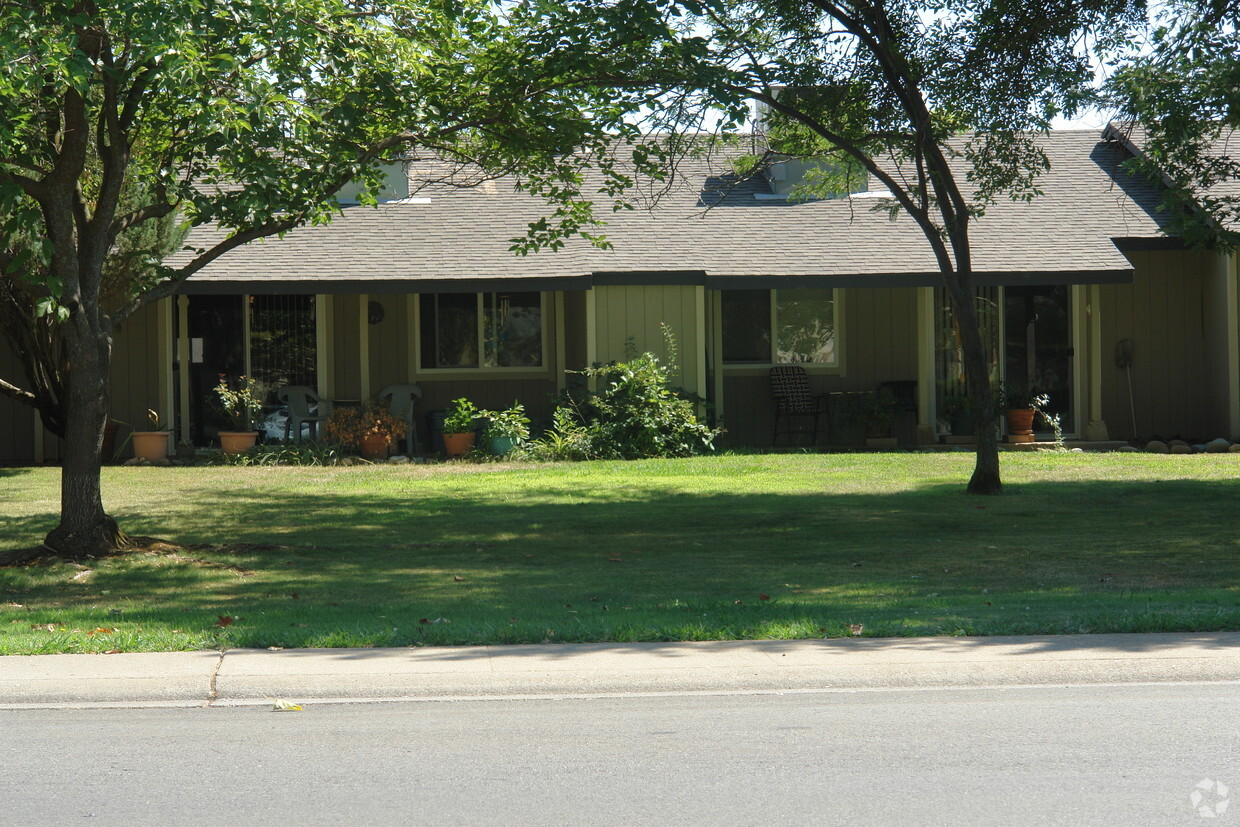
(246,676)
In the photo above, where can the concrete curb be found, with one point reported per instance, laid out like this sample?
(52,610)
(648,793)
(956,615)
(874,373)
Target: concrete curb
(246,676)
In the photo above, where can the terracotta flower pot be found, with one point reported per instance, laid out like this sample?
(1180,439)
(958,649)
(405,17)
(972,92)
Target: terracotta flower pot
(373,447)
(237,442)
(151,445)
(458,445)
(1020,421)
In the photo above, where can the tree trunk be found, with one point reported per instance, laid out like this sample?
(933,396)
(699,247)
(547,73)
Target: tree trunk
(985,479)
(85,530)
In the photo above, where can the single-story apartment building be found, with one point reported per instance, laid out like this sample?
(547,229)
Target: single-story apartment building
(1080,291)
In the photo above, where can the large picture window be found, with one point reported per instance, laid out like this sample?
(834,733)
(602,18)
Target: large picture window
(770,327)
(481,330)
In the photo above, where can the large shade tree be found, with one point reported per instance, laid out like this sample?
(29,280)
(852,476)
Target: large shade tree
(941,102)
(116,114)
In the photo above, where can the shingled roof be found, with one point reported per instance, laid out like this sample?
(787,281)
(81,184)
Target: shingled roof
(1225,146)
(708,227)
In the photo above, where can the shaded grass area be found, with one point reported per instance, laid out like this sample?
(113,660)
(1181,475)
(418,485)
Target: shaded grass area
(740,546)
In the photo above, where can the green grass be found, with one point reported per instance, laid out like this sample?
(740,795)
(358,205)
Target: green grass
(655,550)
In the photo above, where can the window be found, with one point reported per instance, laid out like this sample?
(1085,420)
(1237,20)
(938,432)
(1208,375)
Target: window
(481,330)
(803,322)
(283,340)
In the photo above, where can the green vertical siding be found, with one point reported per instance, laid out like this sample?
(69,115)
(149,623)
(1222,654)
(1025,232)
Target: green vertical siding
(1164,312)
(629,319)
(389,345)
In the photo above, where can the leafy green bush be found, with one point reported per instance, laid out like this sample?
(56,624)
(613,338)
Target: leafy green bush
(635,414)
(510,423)
(568,440)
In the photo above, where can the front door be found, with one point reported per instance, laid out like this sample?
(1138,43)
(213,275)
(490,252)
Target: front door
(1038,353)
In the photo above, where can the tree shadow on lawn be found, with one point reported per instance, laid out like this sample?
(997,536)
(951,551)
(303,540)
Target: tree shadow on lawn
(808,553)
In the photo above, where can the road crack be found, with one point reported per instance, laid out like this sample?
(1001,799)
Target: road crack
(212,692)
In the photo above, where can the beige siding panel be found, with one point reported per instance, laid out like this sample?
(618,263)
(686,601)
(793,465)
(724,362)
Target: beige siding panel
(1165,314)
(1217,358)
(134,383)
(16,420)
(389,344)
(574,330)
(630,320)
(347,350)
(880,345)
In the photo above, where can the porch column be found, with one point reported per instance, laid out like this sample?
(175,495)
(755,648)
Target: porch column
(702,338)
(1096,428)
(927,433)
(561,349)
(183,355)
(1232,271)
(591,333)
(716,353)
(363,345)
(324,350)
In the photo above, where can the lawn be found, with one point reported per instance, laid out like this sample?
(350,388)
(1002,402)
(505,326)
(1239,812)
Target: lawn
(738,546)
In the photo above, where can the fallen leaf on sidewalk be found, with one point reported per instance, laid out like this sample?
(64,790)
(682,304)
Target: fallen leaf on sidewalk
(285,706)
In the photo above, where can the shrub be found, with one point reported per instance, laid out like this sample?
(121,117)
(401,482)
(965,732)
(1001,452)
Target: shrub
(349,425)
(634,414)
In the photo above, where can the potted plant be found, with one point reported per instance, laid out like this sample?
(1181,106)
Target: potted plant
(240,406)
(152,445)
(1017,403)
(874,413)
(958,412)
(369,429)
(458,428)
(506,429)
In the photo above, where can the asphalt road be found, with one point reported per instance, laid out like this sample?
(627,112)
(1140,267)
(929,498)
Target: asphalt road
(1081,755)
